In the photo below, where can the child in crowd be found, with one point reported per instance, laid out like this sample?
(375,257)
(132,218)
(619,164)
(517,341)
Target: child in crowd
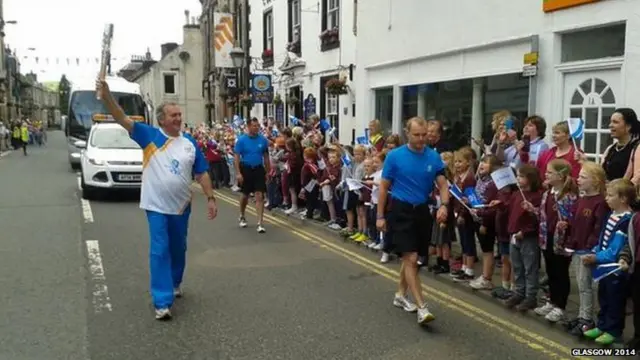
(523,230)
(353,197)
(293,170)
(629,260)
(328,182)
(584,229)
(465,178)
(503,242)
(612,289)
(556,210)
(486,220)
(373,181)
(392,142)
(309,178)
(442,234)
(364,204)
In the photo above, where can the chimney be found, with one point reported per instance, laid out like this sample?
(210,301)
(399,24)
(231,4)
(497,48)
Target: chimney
(186,17)
(193,20)
(167,48)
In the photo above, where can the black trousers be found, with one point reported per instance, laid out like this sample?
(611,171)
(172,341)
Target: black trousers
(557,268)
(634,284)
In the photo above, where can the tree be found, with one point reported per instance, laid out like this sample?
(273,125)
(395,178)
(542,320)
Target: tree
(64,88)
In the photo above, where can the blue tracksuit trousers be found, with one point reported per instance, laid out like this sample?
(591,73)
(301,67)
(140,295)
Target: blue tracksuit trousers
(167,254)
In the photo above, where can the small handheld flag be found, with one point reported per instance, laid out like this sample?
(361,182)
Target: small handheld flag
(576,128)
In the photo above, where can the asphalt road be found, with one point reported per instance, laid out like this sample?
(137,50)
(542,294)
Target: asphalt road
(287,294)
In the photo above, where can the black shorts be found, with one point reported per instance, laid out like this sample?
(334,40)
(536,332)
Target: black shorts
(353,200)
(411,227)
(253,179)
(488,240)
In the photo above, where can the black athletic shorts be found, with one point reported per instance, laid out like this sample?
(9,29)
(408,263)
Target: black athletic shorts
(253,179)
(411,227)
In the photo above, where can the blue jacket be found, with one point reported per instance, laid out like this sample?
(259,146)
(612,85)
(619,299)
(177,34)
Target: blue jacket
(617,241)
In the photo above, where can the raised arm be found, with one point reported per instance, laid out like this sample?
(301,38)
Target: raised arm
(102,88)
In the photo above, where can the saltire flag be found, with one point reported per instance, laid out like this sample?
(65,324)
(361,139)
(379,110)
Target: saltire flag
(576,128)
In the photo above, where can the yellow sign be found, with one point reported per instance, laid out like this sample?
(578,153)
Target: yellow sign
(553,5)
(223,39)
(531,58)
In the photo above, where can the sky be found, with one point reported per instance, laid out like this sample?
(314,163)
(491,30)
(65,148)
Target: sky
(70,29)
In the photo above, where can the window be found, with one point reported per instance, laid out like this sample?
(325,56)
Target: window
(270,111)
(597,43)
(267,26)
(295,20)
(170,83)
(333,14)
(594,101)
(332,109)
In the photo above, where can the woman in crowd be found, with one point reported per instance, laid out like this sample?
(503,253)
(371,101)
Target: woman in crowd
(618,160)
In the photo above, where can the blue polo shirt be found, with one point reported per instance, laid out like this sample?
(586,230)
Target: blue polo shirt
(412,174)
(252,149)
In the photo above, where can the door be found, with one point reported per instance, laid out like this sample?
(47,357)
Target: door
(592,96)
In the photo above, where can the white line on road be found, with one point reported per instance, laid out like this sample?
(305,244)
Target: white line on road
(5,153)
(101,300)
(87,214)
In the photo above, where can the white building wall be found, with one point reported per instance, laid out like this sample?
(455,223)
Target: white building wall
(318,63)
(188,78)
(407,42)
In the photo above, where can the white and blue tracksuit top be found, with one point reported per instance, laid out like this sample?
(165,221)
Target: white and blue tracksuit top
(613,238)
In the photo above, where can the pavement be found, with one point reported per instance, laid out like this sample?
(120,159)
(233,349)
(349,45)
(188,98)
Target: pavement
(74,280)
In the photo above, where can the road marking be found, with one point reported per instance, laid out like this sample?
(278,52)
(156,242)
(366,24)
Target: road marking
(532,340)
(4,153)
(101,301)
(87,214)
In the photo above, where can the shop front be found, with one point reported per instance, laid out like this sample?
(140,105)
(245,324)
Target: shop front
(568,59)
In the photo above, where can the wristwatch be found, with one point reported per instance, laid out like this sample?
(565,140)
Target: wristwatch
(211,198)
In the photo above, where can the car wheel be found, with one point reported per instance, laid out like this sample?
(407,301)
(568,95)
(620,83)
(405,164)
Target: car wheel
(88,193)
(74,167)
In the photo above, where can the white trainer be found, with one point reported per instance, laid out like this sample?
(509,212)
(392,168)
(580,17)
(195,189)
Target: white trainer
(163,314)
(404,303)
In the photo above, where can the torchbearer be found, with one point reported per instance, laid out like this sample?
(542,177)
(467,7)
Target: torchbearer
(171,160)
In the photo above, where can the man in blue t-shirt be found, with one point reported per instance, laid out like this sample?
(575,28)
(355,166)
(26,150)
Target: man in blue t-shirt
(408,175)
(252,166)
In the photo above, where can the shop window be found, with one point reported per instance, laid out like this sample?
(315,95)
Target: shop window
(596,43)
(384,107)
(594,101)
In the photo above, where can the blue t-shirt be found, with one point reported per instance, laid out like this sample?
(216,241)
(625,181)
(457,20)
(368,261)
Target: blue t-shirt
(251,149)
(411,173)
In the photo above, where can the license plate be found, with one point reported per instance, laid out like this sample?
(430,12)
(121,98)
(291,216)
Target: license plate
(129,177)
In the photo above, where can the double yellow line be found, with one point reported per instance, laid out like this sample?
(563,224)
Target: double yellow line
(532,340)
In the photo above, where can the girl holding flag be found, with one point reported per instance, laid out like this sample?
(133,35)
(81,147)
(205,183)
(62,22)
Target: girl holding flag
(523,231)
(584,229)
(464,179)
(556,209)
(487,192)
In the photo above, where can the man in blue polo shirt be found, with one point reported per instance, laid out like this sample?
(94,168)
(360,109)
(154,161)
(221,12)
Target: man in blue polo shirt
(252,166)
(408,175)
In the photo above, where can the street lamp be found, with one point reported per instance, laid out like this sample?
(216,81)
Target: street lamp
(238,58)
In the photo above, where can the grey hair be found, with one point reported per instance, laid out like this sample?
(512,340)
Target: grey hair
(160,109)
